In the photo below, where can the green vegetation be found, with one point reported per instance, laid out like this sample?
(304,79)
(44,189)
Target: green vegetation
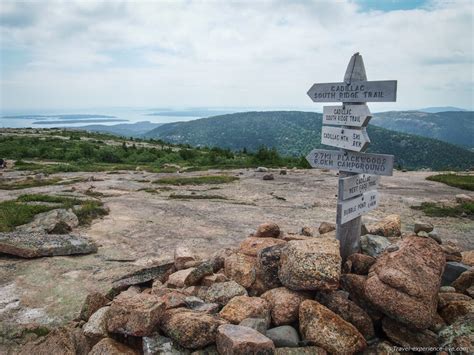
(295,133)
(465,182)
(72,155)
(197,197)
(17,212)
(13,213)
(89,211)
(197,180)
(30,182)
(439,210)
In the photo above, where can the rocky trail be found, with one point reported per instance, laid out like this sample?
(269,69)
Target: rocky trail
(139,242)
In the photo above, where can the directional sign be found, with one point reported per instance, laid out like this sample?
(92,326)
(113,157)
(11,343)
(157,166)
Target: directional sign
(360,91)
(347,115)
(357,184)
(351,139)
(376,164)
(356,207)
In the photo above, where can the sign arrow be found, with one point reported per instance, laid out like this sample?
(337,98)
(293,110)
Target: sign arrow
(347,115)
(359,91)
(376,164)
(346,138)
(356,207)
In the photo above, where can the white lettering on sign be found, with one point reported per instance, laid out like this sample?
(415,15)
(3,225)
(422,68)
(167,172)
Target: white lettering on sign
(347,115)
(346,138)
(376,164)
(357,184)
(361,91)
(356,207)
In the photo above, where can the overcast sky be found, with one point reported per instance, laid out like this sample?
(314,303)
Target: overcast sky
(263,54)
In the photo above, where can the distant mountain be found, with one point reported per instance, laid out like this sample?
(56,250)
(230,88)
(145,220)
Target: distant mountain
(123,129)
(440,109)
(456,127)
(296,133)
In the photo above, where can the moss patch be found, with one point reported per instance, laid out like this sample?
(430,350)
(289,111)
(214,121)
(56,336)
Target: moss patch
(465,182)
(439,210)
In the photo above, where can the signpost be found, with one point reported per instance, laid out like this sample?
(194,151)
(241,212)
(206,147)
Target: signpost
(357,192)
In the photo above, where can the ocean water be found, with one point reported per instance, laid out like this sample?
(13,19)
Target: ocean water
(120,115)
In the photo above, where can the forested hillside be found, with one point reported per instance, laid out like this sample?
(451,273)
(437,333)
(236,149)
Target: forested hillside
(295,133)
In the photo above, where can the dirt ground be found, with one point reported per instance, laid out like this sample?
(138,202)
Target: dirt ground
(143,227)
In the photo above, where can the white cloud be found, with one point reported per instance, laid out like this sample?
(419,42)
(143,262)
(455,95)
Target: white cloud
(210,53)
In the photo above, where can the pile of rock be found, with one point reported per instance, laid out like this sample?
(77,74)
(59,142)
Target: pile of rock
(283,294)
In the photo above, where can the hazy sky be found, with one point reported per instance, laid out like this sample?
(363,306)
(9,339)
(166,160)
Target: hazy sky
(81,54)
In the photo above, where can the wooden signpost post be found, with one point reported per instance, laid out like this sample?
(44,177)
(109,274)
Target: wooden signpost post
(358,180)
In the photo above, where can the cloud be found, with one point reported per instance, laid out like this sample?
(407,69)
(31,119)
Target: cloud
(206,53)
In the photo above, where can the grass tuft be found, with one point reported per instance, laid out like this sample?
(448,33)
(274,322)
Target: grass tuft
(13,213)
(465,182)
(197,180)
(439,210)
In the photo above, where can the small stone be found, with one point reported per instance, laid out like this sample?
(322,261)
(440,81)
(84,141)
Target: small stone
(197,304)
(463,198)
(307,232)
(284,336)
(142,276)
(326,227)
(468,257)
(464,281)
(109,346)
(360,263)
(444,289)
(135,315)
(422,234)
(313,264)
(261,169)
(349,311)
(241,307)
(238,340)
(423,226)
(267,265)
(434,235)
(452,271)
(392,248)
(223,292)
(39,244)
(212,279)
(252,245)
(173,299)
(159,344)
(452,251)
(96,327)
(460,334)
(405,337)
(180,279)
(190,329)
(182,255)
(241,269)
(444,299)
(456,309)
(373,245)
(326,329)
(390,226)
(268,230)
(284,304)
(283,172)
(58,221)
(92,303)
(268,177)
(258,324)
